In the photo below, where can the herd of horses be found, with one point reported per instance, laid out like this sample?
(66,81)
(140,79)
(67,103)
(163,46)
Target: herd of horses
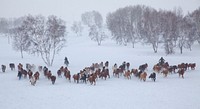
(100,71)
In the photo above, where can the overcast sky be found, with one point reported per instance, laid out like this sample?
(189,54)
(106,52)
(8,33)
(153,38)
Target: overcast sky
(71,10)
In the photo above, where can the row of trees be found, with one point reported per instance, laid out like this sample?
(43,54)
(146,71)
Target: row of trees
(139,23)
(38,35)
(131,24)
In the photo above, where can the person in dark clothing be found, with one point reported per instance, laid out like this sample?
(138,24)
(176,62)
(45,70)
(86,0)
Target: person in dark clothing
(66,61)
(19,75)
(161,61)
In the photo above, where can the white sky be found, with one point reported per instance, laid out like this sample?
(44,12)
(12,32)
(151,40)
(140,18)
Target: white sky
(71,10)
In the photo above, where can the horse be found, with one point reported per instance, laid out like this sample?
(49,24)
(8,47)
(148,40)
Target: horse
(172,68)
(3,67)
(30,74)
(143,76)
(127,74)
(106,64)
(157,68)
(181,72)
(121,69)
(12,66)
(67,75)
(134,71)
(24,72)
(104,73)
(33,81)
(192,66)
(59,73)
(92,79)
(153,76)
(116,72)
(83,77)
(53,79)
(37,75)
(45,70)
(76,77)
(138,74)
(49,74)
(143,67)
(183,66)
(165,72)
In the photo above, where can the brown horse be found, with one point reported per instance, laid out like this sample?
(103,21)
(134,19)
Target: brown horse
(134,71)
(165,72)
(92,79)
(157,68)
(24,73)
(143,76)
(67,75)
(37,75)
(76,77)
(192,66)
(127,74)
(49,74)
(30,74)
(181,72)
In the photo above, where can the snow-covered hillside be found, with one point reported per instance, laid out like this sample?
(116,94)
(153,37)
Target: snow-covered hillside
(171,92)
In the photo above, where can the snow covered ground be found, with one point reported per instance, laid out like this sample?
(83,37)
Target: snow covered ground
(114,93)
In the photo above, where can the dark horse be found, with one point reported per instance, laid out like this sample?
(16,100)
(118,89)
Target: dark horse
(83,78)
(3,68)
(53,79)
(153,76)
(12,66)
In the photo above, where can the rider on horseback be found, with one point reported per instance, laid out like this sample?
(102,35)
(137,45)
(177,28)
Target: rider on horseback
(161,61)
(66,61)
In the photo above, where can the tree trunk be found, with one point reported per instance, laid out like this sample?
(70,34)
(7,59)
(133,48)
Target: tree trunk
(54,51)
(21,53)
(181,50)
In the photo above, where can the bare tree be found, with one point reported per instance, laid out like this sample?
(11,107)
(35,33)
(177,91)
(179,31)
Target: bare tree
(21,40)
(94,21)
(195,18)
(117,23)
(168,27)
(45,37)
(77,28)
(151,32)
(97,34)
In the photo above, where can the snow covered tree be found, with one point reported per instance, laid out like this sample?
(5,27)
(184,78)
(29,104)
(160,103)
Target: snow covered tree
(77,28)
(195,18)
(94,21)
(97,34)
(125,24)
(3,25)
(151,28)
(45,37)
(168,29)
(20,39)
